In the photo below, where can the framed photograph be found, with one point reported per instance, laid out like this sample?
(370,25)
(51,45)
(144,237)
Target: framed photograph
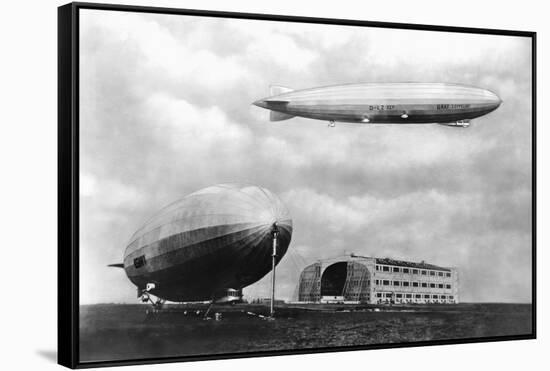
(239,185)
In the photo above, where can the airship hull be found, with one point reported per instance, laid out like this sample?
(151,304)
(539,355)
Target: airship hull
(215,239)
(396,103)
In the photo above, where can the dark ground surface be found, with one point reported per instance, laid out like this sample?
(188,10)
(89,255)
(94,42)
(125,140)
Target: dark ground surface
(116,332)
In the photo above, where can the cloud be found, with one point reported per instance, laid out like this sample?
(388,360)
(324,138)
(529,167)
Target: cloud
(160,52)
(195,130)
(282,51)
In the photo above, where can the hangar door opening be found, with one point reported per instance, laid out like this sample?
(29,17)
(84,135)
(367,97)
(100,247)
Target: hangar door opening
(334,279)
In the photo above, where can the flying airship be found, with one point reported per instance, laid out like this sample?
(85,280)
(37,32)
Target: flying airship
(208,245)
(386,103)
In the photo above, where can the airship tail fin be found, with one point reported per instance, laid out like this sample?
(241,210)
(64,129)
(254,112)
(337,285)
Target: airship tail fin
(117,265)
(279,116)
(276,90)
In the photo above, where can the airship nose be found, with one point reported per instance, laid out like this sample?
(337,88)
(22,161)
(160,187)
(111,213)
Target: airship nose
(497,102)
(493,98)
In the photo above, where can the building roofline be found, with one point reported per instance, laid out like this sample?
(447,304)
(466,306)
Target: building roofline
(385,261)
(407,264)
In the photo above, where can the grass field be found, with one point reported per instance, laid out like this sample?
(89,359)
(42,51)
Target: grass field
(116,332)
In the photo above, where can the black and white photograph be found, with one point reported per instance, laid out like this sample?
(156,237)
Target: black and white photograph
(252,186)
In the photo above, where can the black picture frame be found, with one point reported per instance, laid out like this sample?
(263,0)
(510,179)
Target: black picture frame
(68,178)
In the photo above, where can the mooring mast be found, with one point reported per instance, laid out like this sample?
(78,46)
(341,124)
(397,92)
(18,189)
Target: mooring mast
(274,233)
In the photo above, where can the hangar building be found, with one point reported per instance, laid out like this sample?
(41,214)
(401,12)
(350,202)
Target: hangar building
(362,279)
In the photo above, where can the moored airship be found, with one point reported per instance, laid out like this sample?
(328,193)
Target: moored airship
(385,103)
(208,245)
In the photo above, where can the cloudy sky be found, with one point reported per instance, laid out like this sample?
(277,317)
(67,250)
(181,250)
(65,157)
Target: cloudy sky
(166,110)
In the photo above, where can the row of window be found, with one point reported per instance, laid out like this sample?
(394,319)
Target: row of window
(423,272)
(413,284)
(391,295)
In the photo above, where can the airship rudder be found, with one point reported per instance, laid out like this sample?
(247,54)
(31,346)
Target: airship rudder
(275,100)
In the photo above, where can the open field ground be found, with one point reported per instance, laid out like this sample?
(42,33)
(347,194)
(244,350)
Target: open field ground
(115,332)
